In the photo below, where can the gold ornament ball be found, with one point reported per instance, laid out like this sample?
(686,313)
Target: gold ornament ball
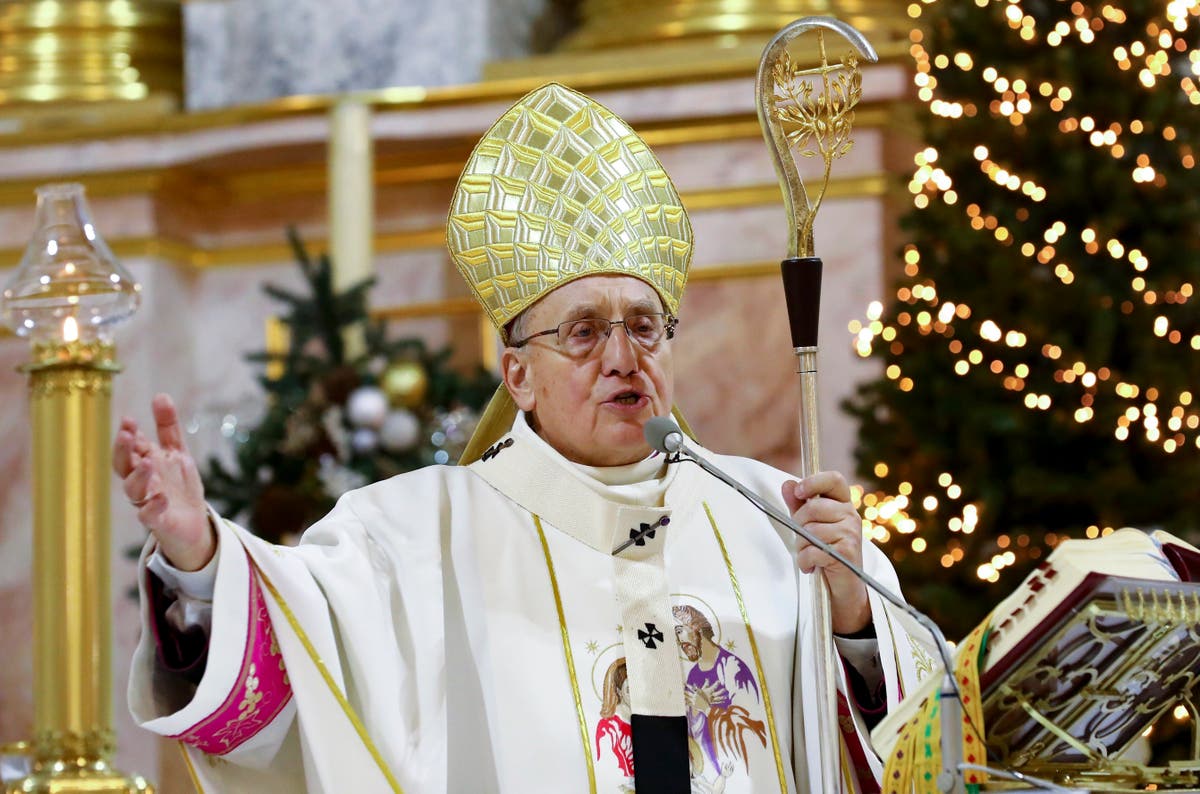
(405,384)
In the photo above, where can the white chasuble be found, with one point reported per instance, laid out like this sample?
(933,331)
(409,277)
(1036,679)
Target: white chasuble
(471,630)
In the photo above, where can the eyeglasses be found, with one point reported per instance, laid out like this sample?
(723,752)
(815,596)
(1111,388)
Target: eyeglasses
(578,338)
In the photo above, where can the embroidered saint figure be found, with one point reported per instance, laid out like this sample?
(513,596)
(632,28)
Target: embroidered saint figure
(722,697)
(613,731)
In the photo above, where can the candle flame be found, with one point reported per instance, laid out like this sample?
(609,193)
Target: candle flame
(70,331)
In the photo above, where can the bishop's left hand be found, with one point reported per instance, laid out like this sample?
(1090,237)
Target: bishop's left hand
(821,505)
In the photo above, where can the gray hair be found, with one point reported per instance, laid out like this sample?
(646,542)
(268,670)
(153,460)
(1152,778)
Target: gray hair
(516,327)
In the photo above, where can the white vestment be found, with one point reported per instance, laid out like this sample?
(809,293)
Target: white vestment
(451,630)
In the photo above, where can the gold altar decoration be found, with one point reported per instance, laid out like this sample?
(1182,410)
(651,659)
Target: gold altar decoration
(405,383)
(76,51)
(716,23)
(66,294)
(812,119)
(561,188)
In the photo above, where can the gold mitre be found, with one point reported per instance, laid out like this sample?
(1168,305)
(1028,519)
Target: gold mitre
(561,188)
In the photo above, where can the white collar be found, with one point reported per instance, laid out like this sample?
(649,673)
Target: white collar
(642,482)
(595,505)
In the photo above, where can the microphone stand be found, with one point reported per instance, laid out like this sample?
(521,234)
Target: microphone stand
(950,780)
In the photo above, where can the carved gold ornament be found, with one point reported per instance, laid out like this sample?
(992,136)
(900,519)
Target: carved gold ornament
(808,111)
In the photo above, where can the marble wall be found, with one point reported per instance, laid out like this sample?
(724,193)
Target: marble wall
(240,51)
(231,189)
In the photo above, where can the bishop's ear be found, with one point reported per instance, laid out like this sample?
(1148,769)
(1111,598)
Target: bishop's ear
(518,379)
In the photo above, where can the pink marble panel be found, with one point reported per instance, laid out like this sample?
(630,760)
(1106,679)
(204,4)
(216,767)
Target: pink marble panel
(16,499)
(16,545)
(156,149)
(231,312)
(852,278)
(733,363)
(116,217)
(747,162)
(16,674)
(740,235)
(736,382)
(413,276)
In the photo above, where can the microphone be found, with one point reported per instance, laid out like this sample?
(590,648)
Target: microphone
(664,435)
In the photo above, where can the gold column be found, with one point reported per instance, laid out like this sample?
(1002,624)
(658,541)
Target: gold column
(635,23)
(86,51)
(70,386)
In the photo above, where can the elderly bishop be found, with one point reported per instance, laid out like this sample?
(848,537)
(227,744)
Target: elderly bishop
(489,627)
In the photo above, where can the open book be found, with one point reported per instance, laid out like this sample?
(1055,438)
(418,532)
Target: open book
(1095,644)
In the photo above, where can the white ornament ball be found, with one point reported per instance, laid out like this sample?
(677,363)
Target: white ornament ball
(364,440)
(367,407)
(400,432)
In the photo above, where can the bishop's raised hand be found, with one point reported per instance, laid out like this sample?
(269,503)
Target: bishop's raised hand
(161,481)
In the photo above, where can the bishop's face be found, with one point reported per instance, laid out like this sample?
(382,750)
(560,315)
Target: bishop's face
(592,408)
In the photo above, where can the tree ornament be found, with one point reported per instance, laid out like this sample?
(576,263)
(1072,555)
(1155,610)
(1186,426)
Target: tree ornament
(364,441)
(405,383)
(367,407)
(400,432)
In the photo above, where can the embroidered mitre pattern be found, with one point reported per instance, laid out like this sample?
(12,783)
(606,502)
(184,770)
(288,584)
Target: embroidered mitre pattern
(560,188)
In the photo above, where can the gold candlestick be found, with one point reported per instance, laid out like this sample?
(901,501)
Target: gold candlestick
(67,293)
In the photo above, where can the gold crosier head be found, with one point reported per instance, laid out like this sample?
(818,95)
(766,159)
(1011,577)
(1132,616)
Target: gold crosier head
(813,120)
(558,189)
(561,188)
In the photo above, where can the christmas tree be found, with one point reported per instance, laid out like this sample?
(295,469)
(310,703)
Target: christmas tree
(1040,350)
(337,417)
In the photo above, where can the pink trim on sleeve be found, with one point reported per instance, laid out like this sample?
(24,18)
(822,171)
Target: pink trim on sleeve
(261,691)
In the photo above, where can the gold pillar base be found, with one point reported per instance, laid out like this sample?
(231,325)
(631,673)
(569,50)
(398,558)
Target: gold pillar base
(90,50)
(66,778)
(77,763)
(71,763)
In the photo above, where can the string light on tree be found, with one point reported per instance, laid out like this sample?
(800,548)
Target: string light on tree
(1039,349)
